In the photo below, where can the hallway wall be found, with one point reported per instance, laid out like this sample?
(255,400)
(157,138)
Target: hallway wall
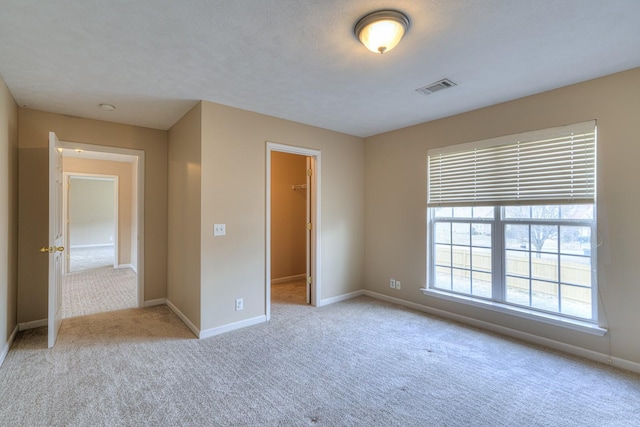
(34,127)
(8,216)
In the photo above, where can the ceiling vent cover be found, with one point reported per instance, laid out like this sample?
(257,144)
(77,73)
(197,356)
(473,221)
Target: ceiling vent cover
(435,87)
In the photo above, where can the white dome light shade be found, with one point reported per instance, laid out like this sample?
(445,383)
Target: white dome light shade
(381,31)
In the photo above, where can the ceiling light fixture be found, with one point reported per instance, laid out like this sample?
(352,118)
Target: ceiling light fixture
(381,31)
(107,107)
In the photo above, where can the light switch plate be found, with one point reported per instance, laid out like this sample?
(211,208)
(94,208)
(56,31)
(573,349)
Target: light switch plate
(219,229)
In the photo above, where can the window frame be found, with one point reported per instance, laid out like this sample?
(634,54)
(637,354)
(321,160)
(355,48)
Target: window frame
(554,166)
(498,250)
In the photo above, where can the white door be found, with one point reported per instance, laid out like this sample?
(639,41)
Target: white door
(309,228)
(55,248)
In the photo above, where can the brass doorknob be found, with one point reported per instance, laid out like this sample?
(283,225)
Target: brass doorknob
(51,249)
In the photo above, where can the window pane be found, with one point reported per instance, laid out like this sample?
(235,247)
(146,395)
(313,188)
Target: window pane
(575,240)
(516,236)
(545,212)
(544,238)
(517,263)
(462,212)
(481,235)
(545,262)
(461,281)
(517,212)
(481,259)
(443,212)
(576,212)
(483,212)
(576,301)
(481,283)
(443,278)
(461,233)
(461,257)
(544,295)
(518,291)
(443,232)
(544,266)
(443,255)
(575,270)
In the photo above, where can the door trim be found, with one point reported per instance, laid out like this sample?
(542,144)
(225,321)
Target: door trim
(139,165)
(316,275)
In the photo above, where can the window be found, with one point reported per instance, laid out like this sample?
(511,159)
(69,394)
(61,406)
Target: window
(512,220)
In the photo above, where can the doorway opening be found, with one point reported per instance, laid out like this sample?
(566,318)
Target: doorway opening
(293,226)
(102,211)
(91,218)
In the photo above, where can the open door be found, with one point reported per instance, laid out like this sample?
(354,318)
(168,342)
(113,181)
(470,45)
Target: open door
(309,226)
(55,248)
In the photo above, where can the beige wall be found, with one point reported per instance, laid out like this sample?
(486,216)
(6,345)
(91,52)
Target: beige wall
(8,214)
(92,216)
(33,199)
(233,193)
(183,256)
(126,218)
(396,175)
(288,215)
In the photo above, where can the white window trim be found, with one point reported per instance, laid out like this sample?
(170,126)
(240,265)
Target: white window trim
(455,197)
(542,317)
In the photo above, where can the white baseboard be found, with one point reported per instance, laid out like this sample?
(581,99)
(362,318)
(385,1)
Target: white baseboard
(33,324)
(339,298)
(154,302)
(7,346)
(184,318)
(288,279)
(134,268)
(232,326)
(524,336)
(125,266)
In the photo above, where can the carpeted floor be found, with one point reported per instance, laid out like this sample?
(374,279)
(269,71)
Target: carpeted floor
(289,292)
(92,257)
(360,362)
(98,290)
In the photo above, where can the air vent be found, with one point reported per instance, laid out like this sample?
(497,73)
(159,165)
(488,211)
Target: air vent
(435,87)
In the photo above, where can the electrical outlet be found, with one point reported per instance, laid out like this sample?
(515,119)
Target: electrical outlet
(219,229)
(392,284)
(239,304)
(398,284)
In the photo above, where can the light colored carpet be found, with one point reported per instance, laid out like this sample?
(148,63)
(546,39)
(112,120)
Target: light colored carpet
(87,258)
(98,290)
(290,292)
(360,362)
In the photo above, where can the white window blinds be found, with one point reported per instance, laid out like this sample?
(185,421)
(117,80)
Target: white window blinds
(552,166)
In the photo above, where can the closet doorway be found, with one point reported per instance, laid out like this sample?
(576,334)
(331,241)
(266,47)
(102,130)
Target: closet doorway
(293,225)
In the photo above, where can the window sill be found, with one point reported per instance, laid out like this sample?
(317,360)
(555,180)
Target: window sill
(576,325)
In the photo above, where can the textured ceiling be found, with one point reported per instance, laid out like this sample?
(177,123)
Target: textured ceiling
(299,60)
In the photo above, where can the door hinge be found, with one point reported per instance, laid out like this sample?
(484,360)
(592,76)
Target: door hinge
(309,172)
(309,226)
(308,280)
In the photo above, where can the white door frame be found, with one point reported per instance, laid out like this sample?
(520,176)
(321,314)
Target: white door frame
(316,280)
(66,145)
(65,210)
